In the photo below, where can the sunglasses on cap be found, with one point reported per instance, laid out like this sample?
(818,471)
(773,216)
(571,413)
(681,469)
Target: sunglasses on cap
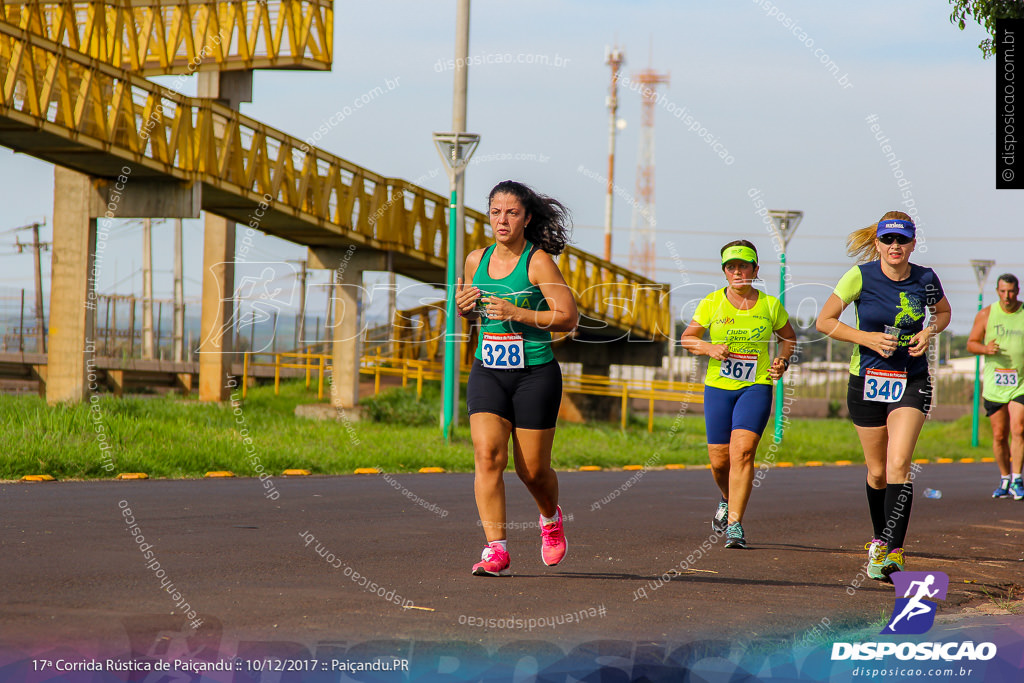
(891,237)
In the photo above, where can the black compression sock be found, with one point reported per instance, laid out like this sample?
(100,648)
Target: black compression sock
(876,505)
(898,500)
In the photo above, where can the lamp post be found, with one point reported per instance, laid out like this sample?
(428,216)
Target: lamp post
(784,223)
(456,150)
(981,268)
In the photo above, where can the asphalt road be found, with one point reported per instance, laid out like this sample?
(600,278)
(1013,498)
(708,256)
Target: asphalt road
(248,566)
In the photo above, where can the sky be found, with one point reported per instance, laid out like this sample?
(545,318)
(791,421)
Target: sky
(754,77)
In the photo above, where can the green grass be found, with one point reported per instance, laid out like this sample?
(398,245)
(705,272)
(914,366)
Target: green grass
(175,437)
(1007,601)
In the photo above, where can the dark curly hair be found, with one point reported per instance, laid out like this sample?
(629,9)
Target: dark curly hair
(550,220)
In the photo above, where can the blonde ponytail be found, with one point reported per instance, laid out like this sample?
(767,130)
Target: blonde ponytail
(860,244)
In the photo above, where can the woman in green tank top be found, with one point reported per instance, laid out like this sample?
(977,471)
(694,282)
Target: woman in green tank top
(515,386)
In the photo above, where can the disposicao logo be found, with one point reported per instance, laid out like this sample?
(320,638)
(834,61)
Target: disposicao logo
(913,614)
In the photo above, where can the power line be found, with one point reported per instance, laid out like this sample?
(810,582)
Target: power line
(801,264)
(720,233)
(23,227)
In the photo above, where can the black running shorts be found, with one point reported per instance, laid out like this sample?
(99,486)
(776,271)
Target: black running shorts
(991,407)
(918,394)
(527,398)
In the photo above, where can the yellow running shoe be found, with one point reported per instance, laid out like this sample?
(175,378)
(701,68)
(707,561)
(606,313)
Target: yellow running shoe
(893,563)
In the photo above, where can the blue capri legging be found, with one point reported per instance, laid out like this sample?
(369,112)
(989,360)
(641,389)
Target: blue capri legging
(725,410)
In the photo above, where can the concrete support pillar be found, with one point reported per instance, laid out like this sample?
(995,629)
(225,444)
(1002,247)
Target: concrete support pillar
(346,339)
(72,308)
(216,349)
(39,374)
(596,356)
(346,335)
(183,382)
(230,88)
(115,378)
(598,408)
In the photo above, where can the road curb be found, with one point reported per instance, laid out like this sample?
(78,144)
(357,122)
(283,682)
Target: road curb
(223,474)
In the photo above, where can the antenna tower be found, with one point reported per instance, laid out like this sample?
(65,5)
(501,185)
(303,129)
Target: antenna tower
(614,58)
(642,226)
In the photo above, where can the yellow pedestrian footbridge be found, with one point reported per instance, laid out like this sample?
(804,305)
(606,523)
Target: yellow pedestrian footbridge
(161,37)
(73,92)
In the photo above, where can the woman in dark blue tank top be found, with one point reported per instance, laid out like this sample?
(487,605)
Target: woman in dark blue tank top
(890,390)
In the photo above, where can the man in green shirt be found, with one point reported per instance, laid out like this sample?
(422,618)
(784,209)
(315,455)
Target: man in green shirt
(998,334)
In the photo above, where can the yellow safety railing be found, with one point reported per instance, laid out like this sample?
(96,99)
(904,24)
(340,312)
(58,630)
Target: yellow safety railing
(309,362)
(320,363)
(406,368)
(418,334)
(154,37)
(626,389)
(418,371)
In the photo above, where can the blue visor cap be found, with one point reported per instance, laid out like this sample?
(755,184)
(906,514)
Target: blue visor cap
(894,225)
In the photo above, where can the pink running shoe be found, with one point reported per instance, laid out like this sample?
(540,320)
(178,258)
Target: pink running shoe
(552,541)
(494,561)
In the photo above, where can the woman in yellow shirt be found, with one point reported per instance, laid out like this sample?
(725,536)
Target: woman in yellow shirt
(738,388)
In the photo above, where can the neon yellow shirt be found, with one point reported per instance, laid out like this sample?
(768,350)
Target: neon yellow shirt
(747,332)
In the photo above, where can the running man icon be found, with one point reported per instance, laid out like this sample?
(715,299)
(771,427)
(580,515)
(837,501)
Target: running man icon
(915,587)
(255,300)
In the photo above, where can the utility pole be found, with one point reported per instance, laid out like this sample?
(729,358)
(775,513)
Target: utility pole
(828,369)
(147,289)
(301,331)
(37,247)
(21,324)
(460,89)
(981,268)
(179,297)
(784,224)
(392,300)
(329,315)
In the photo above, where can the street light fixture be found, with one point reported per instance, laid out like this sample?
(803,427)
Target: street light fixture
(784,223)
(981,268)
(456,150)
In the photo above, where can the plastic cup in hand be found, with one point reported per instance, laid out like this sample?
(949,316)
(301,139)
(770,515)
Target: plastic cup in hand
(896,332)
(481,307)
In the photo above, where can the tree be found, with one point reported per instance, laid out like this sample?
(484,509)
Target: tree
(985,12)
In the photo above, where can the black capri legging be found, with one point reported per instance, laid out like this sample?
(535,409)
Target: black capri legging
(528,398)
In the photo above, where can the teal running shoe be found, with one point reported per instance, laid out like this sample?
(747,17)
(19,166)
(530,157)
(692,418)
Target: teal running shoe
(721,519)
(877,550)
(734,534)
